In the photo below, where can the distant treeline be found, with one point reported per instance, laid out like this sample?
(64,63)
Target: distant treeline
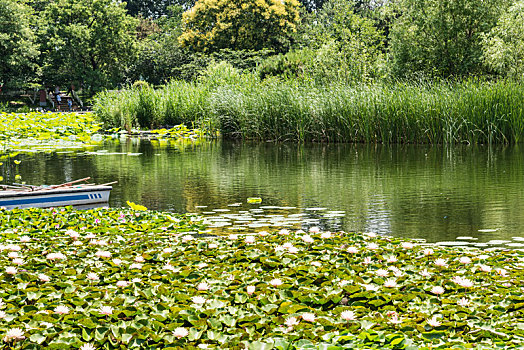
(106,44)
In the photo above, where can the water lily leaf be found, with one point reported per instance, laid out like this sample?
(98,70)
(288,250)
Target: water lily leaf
(37,338)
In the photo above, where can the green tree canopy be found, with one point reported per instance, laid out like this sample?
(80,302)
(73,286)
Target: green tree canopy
(155,8)
(212,25)
(504,46)
(18,50)
(90,41)
(349,46)
(441,37)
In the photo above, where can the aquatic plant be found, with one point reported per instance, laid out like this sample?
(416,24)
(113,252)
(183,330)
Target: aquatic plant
(437,113)
(119,278)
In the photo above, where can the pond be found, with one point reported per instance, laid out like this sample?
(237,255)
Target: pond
(472,195)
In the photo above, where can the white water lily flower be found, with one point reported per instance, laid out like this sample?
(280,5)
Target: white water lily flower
(390,283)
(11,270)
(348,315)
(433,322)
(198,300)
(122,284)
(92,276)
(180,332)
(291,321)
(438,290)
(61,310)
(87,346)
(275,282)
(202,286)
(103,254)
(14,334)
(308,316)
(307,239)
(106,310)
(381,273)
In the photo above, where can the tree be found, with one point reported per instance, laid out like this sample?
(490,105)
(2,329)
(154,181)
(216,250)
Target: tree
(212,25)
(441,37)
(155,8)
(89,41)
(17,44)
(348,46)
(504,46)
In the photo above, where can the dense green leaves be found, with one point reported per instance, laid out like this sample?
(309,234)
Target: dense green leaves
(88,41)
(442,37)
(19,52)
(212,25)
(504,45)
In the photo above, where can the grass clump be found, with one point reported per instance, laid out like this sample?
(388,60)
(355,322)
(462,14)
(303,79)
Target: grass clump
(242,106)
(118,278)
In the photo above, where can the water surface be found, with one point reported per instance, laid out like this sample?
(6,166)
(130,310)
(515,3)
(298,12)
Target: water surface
(432,192)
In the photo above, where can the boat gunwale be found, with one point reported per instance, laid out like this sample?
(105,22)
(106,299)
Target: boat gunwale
(43,192)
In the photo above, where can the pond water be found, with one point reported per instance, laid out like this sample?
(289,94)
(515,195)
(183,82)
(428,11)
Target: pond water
(473,195)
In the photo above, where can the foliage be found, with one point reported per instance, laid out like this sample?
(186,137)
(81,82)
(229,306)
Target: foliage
(241,106)
(212,25)
(155,8)
(348,47)
(441,37)
(140,279)
(87,41)
(19,51)
(504,45)
(26,132)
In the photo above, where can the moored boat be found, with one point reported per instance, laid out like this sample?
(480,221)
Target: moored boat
(24,196)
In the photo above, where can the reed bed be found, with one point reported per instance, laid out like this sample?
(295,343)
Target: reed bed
(437,113)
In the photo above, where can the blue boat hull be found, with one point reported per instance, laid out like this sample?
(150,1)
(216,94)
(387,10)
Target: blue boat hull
(75,196)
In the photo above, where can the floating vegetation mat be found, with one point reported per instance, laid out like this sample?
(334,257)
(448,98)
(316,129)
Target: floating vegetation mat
(124,279)
(38,132)
(48,132)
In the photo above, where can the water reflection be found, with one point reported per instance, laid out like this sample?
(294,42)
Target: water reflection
(436,193)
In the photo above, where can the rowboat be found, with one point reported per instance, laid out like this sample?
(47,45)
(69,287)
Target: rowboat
(70,193)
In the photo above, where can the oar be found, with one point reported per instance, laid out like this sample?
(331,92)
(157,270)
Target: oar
(68,183)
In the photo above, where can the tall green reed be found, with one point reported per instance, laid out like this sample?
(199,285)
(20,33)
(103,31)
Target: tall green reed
(244,107)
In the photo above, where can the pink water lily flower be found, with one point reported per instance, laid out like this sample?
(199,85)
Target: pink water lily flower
(11,270)
(61,310)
